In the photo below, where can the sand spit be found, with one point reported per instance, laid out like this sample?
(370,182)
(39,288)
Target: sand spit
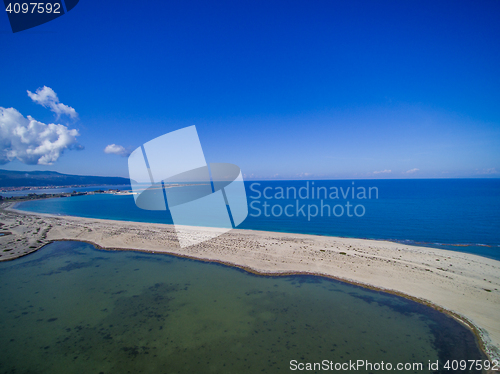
(463,285)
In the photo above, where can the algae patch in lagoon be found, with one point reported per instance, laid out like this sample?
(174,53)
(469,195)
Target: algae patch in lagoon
(72,308)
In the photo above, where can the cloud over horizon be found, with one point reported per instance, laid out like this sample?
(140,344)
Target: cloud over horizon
(411,171)
(33,142)
(116,149)
(48,98)
(383,172)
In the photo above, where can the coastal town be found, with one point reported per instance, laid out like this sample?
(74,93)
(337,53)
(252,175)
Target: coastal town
(36,196)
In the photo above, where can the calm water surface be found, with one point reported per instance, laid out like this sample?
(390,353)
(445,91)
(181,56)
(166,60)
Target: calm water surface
(70,308)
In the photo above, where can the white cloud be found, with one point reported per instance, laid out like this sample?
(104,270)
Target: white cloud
(383,172)
(488,171)
(116,150)
(48,98)
(411,171)
(302,175)
(31,141)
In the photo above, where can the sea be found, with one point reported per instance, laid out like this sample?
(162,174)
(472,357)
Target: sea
(452,214)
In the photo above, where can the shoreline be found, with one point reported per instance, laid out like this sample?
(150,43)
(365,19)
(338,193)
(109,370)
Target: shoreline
(465,286)
(406,242)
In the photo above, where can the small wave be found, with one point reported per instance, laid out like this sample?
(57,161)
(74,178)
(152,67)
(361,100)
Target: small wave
(414,242)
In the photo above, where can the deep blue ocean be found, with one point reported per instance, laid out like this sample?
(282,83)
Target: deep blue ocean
(455,214)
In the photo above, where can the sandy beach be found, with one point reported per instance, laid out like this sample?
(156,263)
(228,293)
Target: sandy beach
(465,286)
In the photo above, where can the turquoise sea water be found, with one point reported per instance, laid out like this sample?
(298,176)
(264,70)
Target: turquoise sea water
(70,308)
(455,214)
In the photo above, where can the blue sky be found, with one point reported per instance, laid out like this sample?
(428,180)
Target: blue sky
(285,90)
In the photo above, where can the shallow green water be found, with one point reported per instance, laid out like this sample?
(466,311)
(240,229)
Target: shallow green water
(70,308)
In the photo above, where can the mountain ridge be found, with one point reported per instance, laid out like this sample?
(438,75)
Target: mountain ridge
(14,178)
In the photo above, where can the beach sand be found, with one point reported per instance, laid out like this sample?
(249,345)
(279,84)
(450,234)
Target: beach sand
(462,285)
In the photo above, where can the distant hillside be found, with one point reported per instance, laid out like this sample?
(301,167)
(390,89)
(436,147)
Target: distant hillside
(10,178)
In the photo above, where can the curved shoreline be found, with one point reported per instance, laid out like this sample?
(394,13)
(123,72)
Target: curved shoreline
(457,294)
(461,319)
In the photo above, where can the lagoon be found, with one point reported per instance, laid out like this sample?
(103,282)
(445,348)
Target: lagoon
(70,307)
